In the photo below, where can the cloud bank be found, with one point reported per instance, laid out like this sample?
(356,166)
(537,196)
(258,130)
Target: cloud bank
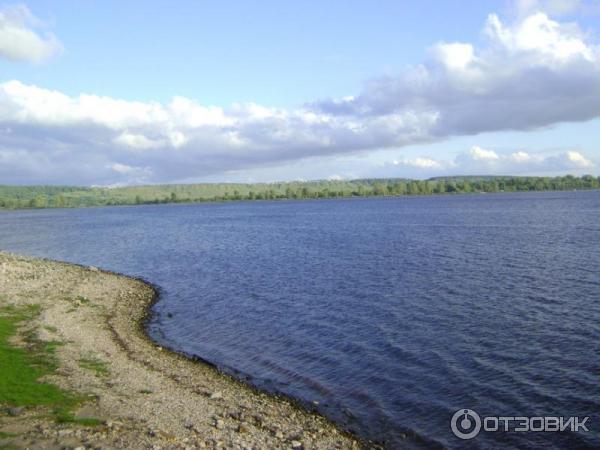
(481,161)
(532,73)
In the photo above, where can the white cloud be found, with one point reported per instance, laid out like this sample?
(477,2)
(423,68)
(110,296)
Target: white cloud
(126,169)
(20,39)
(529,74)
(455,56)
(137,141)
(532,73)
(552,7)
(419,163)
(520,157)
(121,168)
(185,139)
(478,161)
(577,160)
(549,41)
(480,154)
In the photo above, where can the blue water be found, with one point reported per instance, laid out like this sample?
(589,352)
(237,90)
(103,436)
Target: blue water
(392,313)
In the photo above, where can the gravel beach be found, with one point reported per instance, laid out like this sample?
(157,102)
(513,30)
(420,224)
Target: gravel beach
(145,396)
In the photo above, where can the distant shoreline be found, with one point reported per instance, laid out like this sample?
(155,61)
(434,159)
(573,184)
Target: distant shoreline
(41,197)
(145,395)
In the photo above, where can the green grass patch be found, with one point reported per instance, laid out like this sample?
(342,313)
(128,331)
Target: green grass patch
(9,447)
(63,416)
(22,367)
(95,365)
(82,300)
(78,301)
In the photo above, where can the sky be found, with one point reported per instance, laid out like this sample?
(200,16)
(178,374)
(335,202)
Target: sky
(118,93)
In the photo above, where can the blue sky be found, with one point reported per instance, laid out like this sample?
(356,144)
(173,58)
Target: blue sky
(270,52)
(145,92)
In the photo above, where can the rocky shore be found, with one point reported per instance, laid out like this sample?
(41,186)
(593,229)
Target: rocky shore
(144,396)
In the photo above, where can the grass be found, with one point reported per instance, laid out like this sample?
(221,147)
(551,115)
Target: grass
(77,302)
(68,417)
(95,365)
(21,368)
(4,435)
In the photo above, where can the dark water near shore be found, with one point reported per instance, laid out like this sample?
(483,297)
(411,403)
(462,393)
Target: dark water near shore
(391,313)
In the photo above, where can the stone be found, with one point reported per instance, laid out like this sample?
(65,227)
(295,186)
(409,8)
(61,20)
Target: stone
(237,415)
(15,411)
(219,424)
(216,395)
(297,445)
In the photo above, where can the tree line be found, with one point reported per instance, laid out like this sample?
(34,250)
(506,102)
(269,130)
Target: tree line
(13,197)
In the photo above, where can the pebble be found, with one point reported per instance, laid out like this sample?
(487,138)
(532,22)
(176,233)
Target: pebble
(237,415)
(216,395)
(296,444)
(258,419)
(15,411)
(219,424)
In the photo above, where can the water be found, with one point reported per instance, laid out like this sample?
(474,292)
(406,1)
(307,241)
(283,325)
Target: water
(391,313)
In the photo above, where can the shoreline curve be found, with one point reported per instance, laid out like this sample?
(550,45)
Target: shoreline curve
(149,397)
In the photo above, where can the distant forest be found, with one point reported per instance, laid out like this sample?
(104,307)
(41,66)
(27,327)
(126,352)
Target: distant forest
(13,197)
